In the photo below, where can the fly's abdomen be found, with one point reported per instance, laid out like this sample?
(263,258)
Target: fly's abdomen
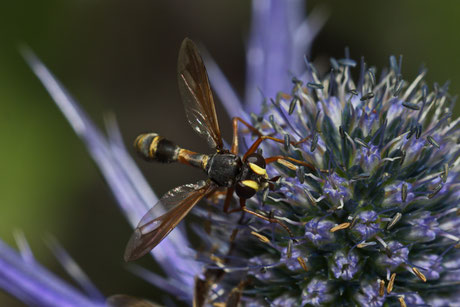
(151,146)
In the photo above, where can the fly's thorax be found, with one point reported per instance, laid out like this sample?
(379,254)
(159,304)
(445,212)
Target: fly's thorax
(224,168)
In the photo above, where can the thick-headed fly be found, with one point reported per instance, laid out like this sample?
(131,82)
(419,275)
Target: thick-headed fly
(225,168)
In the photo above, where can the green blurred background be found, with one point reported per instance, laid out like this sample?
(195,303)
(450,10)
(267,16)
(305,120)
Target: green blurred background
(120,56)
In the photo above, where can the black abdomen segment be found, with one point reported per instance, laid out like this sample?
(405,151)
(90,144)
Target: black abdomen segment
(151,146)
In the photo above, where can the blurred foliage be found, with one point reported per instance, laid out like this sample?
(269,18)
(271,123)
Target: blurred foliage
(120,56)
(424,32)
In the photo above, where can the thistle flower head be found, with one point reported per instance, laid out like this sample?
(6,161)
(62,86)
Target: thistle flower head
(375,219)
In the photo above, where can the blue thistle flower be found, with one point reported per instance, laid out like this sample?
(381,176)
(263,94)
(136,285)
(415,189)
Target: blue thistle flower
(375,220)
(344,265)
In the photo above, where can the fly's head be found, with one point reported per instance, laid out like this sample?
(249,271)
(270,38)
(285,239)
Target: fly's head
(253,177)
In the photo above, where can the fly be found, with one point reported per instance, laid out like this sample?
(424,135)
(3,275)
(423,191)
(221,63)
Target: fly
(225,169)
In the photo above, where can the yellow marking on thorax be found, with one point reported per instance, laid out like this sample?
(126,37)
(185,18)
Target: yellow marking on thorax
(258,170)
(153,146)
(251,183)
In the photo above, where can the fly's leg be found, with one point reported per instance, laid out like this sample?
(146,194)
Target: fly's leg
(257,143)
(245,209)
(234,149)
(228,199)
(268,219)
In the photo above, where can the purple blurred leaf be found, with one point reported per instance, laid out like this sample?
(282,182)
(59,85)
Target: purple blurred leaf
(123,177)
(34,285)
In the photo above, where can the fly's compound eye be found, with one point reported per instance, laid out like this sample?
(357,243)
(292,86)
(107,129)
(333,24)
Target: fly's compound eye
(246,188)
(256,159)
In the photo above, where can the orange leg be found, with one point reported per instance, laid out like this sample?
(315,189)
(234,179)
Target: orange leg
(228,198)
(256,144)
(268,219)
(235,121)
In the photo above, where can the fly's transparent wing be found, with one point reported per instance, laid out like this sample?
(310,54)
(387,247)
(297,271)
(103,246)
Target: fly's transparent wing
(196,94)
(153,228)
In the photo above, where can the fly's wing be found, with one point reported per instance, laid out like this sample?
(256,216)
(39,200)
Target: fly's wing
(196,94)
(152,229)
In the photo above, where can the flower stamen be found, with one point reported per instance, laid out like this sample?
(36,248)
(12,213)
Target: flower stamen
(261,238)
(402,302)
(340,227)
(394,220)
(382,288)
(289,250)
(419,274)
(219,261)
(365,244)
(302,263)
(391,282)
(287,164)
(404,192)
